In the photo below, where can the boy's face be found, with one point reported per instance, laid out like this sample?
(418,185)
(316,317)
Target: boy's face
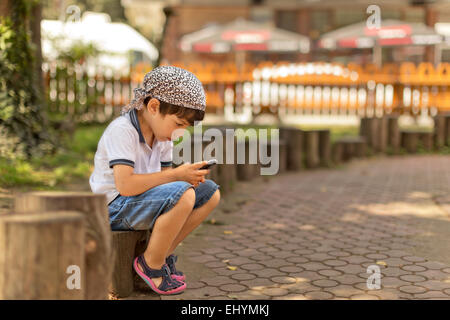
(163,126)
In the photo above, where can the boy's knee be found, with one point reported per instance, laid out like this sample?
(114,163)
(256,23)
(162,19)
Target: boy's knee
(188,198)
(215,198)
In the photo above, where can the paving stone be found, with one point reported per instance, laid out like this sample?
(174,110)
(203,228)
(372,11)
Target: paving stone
(297,260)
(325,283)
(435,285)
(432,265)
(318,295)
(276,263)
(283,279)
(364,297)
(413,259)
(335,263)
(413,268)
(274,292)
(412,278)
(347,279)
(330,273)
(257,283)
(342,290)
(431,295)
(218,280)
(243,276)
(412,289)
(291,269)
(252,266)
(292,296)
(233,287)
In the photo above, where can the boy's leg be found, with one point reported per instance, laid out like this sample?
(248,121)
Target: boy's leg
(194,220)
(165,229)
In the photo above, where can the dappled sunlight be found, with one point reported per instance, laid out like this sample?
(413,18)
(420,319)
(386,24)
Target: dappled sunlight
(426,209)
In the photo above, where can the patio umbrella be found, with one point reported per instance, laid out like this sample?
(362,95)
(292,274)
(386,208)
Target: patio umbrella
(240,36)
(392,33)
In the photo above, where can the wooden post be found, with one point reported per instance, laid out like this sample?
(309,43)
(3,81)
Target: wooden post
(246,171)
(98,246)
(42,256)
(439,131)
(410,140)
(127,245)
(383,131)
(283,155)
(294,144)
(393,133)
(368,129)
(447,130)
(227,173)
(426,139)
(311,148)
(337,152)
(324,147)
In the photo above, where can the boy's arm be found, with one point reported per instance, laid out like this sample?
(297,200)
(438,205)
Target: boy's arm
(130,184)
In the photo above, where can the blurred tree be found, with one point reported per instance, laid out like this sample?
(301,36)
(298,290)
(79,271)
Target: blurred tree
(22,117)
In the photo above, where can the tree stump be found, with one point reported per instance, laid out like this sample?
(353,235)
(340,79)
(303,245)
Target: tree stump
(368,129)
(410,140)
(246,171)
(277,154)
(337,153)
(42,256)
(294,145)
(324,148)
(311,141)
(393,133)
(127,245)
(98,245)
(349,147)
(439,131)
(227,172)
(383,132)
(426,139)
(447,130)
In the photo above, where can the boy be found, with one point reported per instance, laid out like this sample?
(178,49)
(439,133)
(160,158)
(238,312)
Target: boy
(133,167)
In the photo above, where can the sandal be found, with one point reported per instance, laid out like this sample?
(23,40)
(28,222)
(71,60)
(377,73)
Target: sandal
(168,285)
(177,275)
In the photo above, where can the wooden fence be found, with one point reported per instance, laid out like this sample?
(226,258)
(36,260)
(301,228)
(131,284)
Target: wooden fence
(285,88)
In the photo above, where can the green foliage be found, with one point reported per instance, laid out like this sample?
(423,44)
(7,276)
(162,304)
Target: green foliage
(20,103)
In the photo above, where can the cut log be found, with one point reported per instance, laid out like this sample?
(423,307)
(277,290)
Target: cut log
(127,245)
(393,134)
(368,129)
(410,140)
(294,144)
(439,131)
(311,140)
(337,153)
(324,147)
(227,172)
(246,171)
(426,140)
(42,256)
(277,157)
(98,247)
(383,131)
(447,130)
(349,147)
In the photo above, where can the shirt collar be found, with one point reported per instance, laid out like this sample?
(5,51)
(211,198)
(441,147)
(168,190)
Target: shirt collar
(135,122)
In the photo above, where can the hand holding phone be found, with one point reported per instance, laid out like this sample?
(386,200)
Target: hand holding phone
(210,163)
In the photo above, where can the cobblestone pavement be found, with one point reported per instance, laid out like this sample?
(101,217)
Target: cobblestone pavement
(313,234)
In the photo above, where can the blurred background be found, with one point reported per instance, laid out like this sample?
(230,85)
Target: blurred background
(68,67)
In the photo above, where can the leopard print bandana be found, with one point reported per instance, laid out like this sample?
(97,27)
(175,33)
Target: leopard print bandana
(171,85)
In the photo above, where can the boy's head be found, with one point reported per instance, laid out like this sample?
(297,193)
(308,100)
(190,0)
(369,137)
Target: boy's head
(171,98)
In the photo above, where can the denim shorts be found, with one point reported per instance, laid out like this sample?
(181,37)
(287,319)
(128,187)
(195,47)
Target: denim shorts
(141,211)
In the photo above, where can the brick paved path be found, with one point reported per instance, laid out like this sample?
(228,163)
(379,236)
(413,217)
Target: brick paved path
(312,235)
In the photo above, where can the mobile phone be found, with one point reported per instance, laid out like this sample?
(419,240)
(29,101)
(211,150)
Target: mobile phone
(209,164)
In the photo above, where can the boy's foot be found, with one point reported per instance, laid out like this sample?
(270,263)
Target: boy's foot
(160,280)
(177,275)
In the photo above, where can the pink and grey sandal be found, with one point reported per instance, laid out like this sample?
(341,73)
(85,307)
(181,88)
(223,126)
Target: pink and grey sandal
(177,275)
(168,285)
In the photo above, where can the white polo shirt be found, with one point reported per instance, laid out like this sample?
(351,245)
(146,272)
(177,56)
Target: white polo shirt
(122,142)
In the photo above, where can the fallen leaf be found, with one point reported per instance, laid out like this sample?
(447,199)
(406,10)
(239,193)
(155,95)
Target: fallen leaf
(225,261)
(228,232)
(382,263)
(232,268)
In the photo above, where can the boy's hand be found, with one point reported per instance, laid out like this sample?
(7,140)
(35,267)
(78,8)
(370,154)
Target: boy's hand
(190,172)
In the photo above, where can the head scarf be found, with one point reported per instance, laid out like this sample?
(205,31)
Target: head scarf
(171,85)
